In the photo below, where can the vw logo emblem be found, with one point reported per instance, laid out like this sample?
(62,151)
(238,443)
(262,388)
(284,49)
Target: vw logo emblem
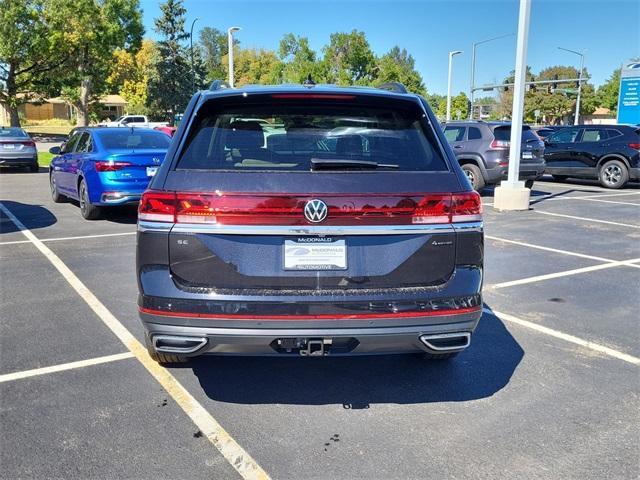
(315,210)
(156,160)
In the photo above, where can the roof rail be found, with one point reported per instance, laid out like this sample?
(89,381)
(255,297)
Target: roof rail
(218,85)
(395,87)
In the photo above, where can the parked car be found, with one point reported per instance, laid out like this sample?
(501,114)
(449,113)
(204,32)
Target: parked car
(320,240)
(544,131)
(102,167)
(167,130)
(133,121)
(610,153)
(17,149)
(482,148)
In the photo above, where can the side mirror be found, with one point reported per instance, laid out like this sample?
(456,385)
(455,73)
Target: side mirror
(55,150)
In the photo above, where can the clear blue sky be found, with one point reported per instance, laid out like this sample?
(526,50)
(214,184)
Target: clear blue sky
(609,30)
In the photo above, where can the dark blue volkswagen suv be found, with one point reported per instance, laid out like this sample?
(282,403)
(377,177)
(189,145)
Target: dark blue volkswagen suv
(309,220)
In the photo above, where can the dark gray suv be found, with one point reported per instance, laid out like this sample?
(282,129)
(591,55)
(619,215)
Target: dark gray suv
(482,148)
(309,220)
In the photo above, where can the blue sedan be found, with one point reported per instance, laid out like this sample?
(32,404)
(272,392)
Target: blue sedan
(101,167)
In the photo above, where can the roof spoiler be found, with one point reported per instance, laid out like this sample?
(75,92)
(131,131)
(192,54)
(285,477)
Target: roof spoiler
(395,87)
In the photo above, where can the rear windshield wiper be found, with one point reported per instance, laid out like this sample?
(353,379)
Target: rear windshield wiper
(340,164)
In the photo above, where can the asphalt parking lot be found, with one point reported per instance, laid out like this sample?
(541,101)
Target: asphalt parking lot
(548,389)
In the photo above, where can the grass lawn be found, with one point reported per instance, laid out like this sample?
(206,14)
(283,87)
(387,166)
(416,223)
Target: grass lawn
(49,129)
(44,158)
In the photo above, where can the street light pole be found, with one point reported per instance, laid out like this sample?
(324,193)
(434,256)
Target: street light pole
(230,47)
(451,55)
(512,194)
(193,70)
(473,67)
(576,118)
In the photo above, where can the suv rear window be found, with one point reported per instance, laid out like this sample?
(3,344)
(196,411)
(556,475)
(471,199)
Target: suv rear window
(504,133)
(287,136)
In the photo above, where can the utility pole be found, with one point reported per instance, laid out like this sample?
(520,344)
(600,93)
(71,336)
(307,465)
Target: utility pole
(451,55)
(576,118)
(230,46)
(512,194)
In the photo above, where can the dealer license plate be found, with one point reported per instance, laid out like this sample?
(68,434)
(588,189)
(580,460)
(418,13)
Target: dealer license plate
(315,253)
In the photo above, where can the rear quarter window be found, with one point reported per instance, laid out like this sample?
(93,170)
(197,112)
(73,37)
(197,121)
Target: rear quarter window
(287,135)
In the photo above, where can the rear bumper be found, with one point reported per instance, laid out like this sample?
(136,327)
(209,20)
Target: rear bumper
(19,161)
(336,341)
(527,172)
(119,198)
(634,173)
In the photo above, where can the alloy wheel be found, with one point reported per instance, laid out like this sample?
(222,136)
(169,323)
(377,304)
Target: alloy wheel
(612,174)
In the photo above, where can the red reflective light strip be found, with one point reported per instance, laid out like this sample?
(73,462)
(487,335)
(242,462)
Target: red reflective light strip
(357,316)
(635,146)
(110,166)
(324,96)
(283,209)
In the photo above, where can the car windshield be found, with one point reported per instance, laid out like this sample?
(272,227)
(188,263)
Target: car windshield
(12,132)
(134,139)
(504,133)
(301,136)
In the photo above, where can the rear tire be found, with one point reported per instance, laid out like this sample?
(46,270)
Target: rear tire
(87,210)
(35,168)
(613,174)
(439,356)
(56,196)
(529,184)
(163,358)
(474,175)
(559,178)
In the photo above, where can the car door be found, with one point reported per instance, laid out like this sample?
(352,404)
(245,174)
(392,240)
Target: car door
(60,173)
(74,163)
(590,147)
(455,135)
(559,152)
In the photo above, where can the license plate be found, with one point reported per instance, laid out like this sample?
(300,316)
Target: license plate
(527,154)
(151,171)
(315,253)
(9,146)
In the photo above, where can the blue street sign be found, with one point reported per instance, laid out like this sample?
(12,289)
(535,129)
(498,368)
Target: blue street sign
(629,97)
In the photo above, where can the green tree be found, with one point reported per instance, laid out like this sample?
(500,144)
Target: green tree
(213,46)
(459,107)
(299,60)
(33,52)
(254,66)
(608,92)
(98,28)
(399,66)
(130,75)
(171,86)
(349,60)
(436,101)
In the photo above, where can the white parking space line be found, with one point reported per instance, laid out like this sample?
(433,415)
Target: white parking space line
(588,219)
(244,464)
(600,195)
(80,237)
(8,377)
(566,273)
(625,357)
(549,249)
(603,201)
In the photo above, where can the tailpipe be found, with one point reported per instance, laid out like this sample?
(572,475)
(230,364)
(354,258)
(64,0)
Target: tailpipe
(178,344)
(446,342)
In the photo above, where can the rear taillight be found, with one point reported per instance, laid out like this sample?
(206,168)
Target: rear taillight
(283,209)
(499,144)
(157,206)
(26,143)
(466,207)
(635,146)
(110,166)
